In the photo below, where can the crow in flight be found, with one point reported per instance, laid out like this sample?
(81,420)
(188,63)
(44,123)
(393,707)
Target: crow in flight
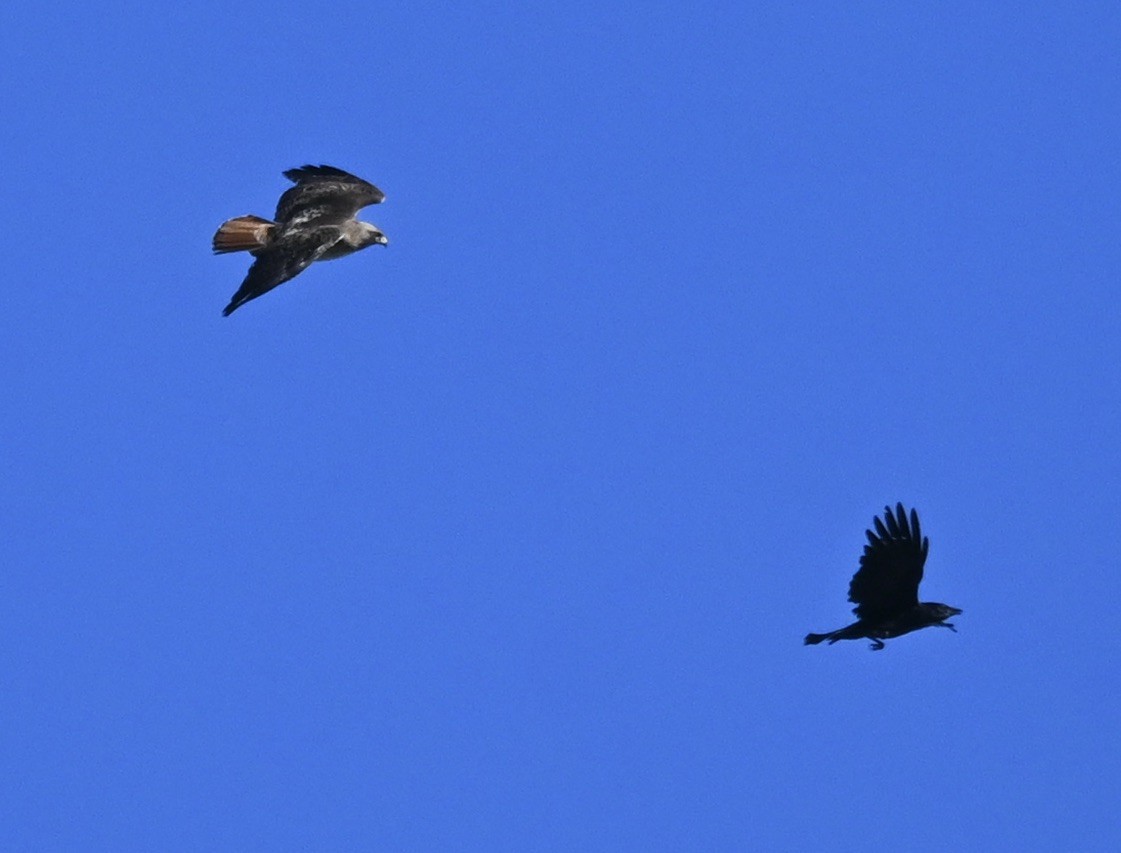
(314,221)
(885,589)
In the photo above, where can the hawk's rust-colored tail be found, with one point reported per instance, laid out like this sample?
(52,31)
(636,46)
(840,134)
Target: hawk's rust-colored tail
(243,234)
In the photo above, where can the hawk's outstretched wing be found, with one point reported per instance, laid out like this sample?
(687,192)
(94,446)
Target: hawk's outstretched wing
(290,254)
(887,582)
(324,194)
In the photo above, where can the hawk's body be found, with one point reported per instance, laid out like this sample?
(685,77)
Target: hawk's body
(314,222)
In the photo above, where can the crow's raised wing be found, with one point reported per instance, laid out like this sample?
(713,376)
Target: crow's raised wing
(887,582)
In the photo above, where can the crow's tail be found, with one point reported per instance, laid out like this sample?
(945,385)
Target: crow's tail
(814,639)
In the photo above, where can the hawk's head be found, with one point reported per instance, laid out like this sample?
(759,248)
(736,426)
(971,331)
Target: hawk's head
(369,235)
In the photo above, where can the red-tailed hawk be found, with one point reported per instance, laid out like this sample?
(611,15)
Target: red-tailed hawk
(314,222)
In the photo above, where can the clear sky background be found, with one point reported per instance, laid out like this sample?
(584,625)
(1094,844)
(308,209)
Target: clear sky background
(506,536)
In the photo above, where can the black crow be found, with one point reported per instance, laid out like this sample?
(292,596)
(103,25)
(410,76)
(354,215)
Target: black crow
(885,589)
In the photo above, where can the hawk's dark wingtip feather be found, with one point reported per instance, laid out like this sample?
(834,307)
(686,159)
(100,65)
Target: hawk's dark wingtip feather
(301,173)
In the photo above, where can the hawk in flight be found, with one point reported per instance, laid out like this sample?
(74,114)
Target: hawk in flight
(314,222)
(885,589)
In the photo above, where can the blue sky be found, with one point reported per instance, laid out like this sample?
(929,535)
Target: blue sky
(505,537)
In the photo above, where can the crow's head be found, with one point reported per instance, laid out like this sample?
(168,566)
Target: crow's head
(941,611)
